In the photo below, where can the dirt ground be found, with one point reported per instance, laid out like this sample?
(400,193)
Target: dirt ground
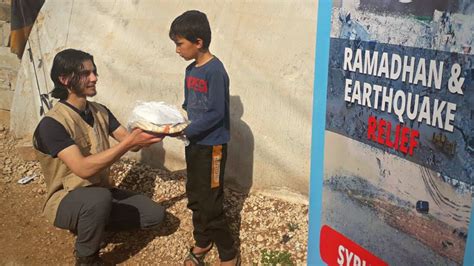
(25,237)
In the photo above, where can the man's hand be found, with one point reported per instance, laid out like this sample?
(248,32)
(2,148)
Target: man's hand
(142,139)
(121,134)
(175,135)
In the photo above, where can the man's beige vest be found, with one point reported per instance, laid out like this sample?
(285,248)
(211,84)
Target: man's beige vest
(90,140)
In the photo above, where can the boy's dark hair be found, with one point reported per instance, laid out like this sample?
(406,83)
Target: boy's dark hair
(68,63)
(192,25)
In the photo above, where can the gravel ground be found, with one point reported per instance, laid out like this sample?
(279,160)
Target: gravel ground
(258,222)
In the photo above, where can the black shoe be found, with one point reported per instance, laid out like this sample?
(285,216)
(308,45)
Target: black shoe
(92,260)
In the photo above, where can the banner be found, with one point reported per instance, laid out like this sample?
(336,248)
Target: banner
(392,180)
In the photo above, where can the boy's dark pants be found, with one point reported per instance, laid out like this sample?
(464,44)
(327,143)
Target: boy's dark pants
(205,192)
(89,211)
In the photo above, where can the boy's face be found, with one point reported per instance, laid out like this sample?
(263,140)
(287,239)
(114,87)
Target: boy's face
(186,49)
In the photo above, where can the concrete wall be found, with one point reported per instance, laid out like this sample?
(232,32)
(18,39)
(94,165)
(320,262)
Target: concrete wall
(9,63)
(268,50)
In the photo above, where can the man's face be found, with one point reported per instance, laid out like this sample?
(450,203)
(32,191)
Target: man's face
(88,80)
(187,49)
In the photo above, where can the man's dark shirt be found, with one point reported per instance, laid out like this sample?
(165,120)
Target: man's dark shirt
(57,137)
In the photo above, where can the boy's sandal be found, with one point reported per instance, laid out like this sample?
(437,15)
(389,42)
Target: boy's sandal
(238,261)
(197,258)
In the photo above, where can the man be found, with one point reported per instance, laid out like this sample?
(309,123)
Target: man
(72,145)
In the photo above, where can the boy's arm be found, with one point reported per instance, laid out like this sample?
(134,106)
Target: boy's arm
(185,103)
(216,106)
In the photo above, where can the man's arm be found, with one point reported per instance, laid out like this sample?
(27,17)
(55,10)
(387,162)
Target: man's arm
(88,166)
(120,134)
(116,130)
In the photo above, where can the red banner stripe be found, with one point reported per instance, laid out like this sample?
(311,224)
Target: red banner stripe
(336,249)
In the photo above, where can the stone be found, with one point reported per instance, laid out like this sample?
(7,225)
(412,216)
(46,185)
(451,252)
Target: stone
(4,33)
(8,60)
(5,12)
(7,79)
(6,98)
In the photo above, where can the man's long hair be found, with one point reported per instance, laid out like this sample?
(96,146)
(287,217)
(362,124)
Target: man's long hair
(69,64)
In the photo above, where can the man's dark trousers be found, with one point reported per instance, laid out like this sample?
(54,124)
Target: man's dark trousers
(89,211)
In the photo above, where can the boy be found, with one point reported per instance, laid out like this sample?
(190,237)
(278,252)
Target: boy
(206,101)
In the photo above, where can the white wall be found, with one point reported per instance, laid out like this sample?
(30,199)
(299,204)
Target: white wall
(268,50)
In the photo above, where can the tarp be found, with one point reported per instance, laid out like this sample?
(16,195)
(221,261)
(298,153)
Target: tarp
(23,15)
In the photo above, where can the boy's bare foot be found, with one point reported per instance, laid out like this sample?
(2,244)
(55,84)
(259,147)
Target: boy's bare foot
(199,250)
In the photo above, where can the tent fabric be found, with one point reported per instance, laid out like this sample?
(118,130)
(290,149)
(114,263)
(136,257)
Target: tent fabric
(23,15)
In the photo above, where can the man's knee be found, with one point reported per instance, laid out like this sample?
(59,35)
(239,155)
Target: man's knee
(98,201)
(154,215)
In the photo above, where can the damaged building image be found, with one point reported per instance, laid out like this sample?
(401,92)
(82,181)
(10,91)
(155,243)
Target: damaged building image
(425,195)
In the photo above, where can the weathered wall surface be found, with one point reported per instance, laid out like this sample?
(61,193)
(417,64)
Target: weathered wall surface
(9,63)
(268,50)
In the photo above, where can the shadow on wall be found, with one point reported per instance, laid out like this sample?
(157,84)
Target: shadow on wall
(154,156)
(240,149)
